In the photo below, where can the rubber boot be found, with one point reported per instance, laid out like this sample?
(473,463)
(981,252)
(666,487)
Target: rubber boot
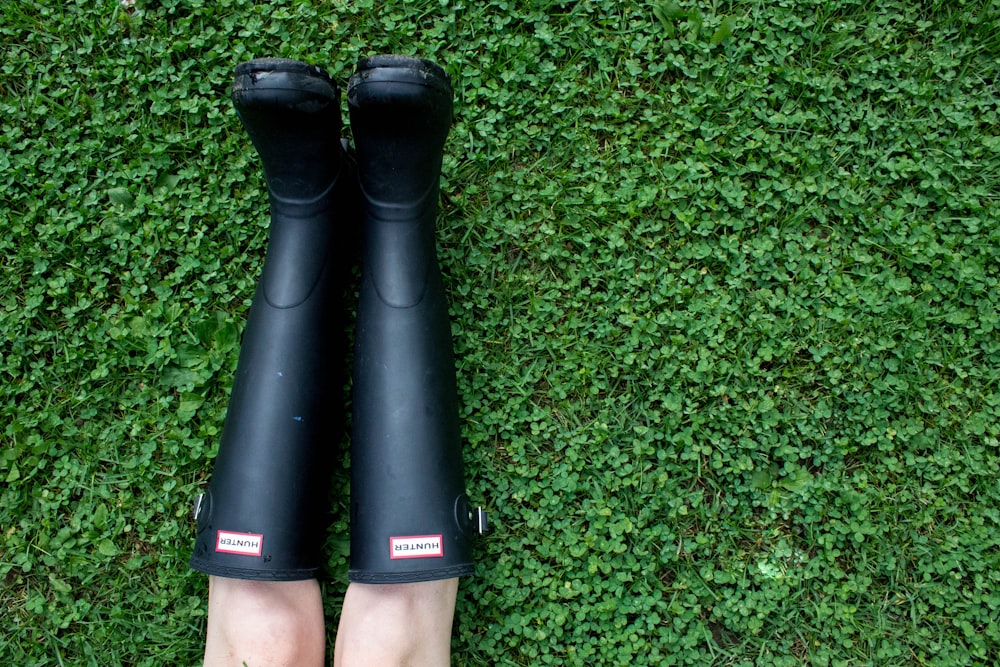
(410,518)
(264,514)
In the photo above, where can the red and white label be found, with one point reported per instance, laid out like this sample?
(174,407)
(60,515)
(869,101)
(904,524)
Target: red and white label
(416,546)
(242,544)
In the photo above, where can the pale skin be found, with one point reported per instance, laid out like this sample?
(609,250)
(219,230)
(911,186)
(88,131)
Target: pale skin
(278,624)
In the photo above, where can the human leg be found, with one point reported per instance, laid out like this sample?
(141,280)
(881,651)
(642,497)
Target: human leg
(265,623)
(262,522)
(396,624)
(411,522)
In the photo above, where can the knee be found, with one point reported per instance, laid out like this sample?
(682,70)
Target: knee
(268,623)
(423,601)
(396,624)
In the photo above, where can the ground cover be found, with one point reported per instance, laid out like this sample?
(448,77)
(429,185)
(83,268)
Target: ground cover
(724,288)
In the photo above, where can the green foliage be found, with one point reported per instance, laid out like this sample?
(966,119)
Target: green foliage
(724,285)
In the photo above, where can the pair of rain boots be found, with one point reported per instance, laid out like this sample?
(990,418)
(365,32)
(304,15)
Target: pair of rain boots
(263,516)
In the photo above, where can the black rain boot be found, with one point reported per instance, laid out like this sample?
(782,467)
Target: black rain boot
(410,518)
(264,515)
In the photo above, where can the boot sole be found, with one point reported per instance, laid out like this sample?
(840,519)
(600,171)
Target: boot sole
(400,69)
(282,82)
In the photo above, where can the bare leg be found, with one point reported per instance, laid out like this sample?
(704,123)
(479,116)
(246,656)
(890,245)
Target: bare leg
(396,625)
(264,624)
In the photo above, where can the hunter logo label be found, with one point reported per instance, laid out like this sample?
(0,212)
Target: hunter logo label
(416,546)
(243,544)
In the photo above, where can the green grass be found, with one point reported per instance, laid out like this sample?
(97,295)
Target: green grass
(724,285)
